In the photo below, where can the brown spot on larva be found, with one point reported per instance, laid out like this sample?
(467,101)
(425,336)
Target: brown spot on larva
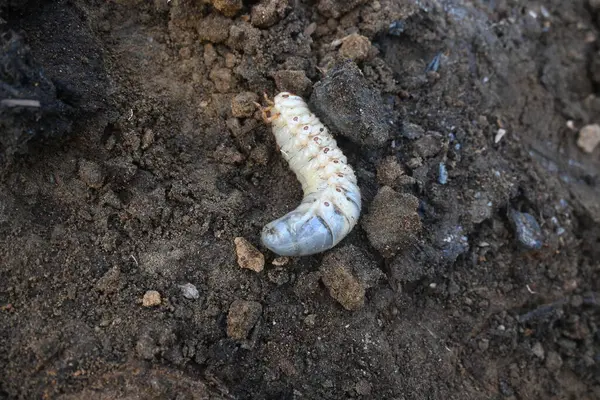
(338,190)
(325,150)
(340,175)
(321,129)
(335,161)
(296,119)
(326,204)
(285,96)
(306,128)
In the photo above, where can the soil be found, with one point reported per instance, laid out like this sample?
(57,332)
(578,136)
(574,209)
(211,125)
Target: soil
(123,190)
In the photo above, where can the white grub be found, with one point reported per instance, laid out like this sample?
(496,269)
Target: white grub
(332,203)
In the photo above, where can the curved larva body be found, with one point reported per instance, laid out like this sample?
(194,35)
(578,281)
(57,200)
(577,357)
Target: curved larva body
(331,204)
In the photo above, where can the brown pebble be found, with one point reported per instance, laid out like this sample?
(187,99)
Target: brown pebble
(151,298)
(589,137)
(242,105)
(242,317)
(355,47)
(248,256)
(91,174)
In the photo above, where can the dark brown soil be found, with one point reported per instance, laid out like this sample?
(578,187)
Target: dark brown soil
(134,175)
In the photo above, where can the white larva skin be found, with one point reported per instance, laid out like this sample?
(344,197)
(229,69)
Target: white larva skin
(331,204)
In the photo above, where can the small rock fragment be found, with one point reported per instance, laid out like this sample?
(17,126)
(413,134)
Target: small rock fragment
(357,113)
(151,298)
(293,81)
(248,256)
(392,222)
(589,137)
(242,105)
(91,174)
(527,230)
(189,291)
(355,47)
(347,273)
(242,317)
(228,7)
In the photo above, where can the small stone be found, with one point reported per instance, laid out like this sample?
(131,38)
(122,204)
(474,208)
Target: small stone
(527,229)
(589,137)
(229,8)
(151,298)
(91,174)
(214,29)
(389,172)
(242,105)
(538,350)
(347,273)
(293,81)
(280,261)
(248,256)
(392,222)
(553,361)
(189,291)
(242,317)
(355,47)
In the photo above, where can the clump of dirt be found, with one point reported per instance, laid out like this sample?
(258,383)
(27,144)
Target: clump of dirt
(472,274)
